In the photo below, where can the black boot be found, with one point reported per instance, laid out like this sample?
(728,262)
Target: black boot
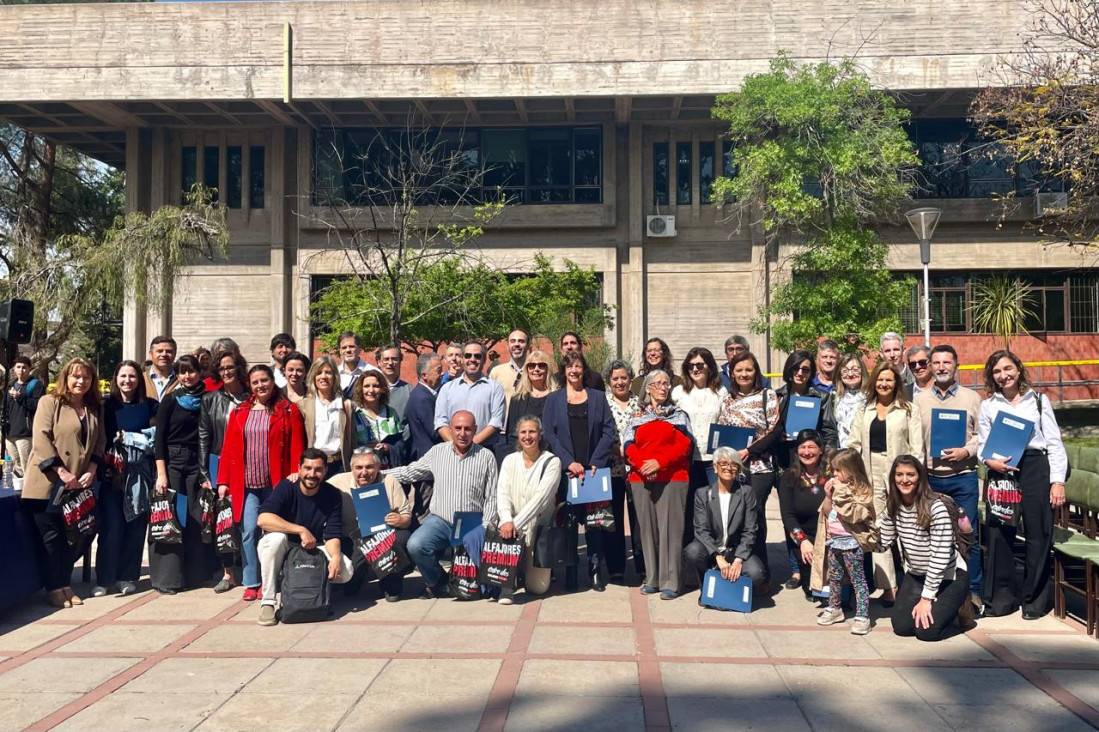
(598,581)
(570,579)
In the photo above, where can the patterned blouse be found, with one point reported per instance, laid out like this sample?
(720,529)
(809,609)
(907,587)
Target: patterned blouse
(257,466)
(369,430)
(748,411)
(621,421)
(845,409)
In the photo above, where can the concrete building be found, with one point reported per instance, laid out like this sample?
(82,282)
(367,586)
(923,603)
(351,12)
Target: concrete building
(225,93)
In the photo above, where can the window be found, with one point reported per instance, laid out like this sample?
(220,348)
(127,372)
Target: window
(234,163)
(1060,303)
(211,157)
(188,170)
(257,174)
(683,173)
(530,165)
(706,172)
(660,173)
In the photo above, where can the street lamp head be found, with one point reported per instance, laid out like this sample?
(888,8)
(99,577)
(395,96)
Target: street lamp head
(923,221)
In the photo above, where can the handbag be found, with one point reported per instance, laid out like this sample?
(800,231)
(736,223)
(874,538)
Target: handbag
(500,560)
(557,544)
(164,526)
(208,513)
(383,554)
(225,537)
(1003,497)
(78,508)
(599,516)
(462,580)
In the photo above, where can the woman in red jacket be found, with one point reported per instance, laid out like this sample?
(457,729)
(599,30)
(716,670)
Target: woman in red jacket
(658,446)
(263,444)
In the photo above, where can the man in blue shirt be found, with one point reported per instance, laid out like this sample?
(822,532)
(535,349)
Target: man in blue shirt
(475,393)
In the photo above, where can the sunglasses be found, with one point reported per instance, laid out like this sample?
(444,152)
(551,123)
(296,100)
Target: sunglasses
(803,369)
(537,366)
(473,356)
(696,366)
(921,364)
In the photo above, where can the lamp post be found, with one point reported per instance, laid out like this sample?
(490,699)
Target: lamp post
(923,222)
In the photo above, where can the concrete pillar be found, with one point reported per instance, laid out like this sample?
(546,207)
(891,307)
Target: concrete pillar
(632,318)
(280,159)
(138,198)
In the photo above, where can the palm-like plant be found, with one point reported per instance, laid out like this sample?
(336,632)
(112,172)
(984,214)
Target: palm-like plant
(1001,306)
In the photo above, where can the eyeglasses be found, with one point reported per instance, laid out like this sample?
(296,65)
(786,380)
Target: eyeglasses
(660,385)
(851,371)
(474,356)
(803,369)
(697,366)
(224,369)
(725,465)
(920,364)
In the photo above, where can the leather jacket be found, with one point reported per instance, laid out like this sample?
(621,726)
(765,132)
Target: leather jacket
(212,421)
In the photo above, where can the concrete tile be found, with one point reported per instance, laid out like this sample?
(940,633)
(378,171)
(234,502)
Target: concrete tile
(692,714)
(250,638)
(723,681)
(283,711)
(415,712)
(807,644)
(1084,685)
(686,610)
(198,675)
(1015,621)
(1076,648)
(410,610)
(327,637)
(445,610)
(978,686)
(49,674)
(128,712)
(584,641)
(22,710)
(788,607)
(17,638)
(817,684)
(702,643)
(1020,719)
(612,606)
(893,647)
(335,675)
(841,712)
(128,638)
(579,678)
(459,639)
(449,676)
(196,605)
(36,608)
(597,714)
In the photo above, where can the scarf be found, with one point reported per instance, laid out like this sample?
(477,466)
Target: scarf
(190,399)
(652,412)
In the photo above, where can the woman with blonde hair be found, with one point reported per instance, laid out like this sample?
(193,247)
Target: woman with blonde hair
(328,416)
(848,396)
(536,383)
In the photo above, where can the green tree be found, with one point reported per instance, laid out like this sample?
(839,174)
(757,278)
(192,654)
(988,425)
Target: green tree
(818,153)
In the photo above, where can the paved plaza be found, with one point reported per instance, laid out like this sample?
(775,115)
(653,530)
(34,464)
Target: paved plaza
(612,661)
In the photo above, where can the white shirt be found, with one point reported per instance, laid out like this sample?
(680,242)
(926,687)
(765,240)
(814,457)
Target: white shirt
(327,437)
(280,378)
(1047,434)
(160,383)
(348,377)
(702,406)
(723,500)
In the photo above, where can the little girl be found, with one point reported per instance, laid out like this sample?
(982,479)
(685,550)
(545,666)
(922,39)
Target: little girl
(846,530)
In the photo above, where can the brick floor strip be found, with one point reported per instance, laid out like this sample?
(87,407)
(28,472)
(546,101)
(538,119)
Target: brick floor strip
(654,702)
(121,679)
(495,716)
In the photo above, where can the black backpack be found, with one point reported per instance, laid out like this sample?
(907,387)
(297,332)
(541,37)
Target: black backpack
(964,535)
(305,589)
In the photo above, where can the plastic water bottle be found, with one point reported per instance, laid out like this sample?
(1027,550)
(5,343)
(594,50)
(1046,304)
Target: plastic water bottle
(9,473)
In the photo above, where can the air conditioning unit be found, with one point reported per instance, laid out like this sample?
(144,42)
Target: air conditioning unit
(1050,203)
(658,227)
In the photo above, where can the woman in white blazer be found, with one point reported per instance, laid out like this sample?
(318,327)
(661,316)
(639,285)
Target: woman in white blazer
(525,499)
(889,425)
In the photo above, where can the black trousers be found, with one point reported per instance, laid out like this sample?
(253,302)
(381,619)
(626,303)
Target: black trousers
(191,563)
(1000,591)
(952,593)
(56,555)
(697,559)
(762,483)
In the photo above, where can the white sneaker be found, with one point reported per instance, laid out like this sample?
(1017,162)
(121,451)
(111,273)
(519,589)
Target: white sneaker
(505,600)
(99,591)
(860,626)
(127,588)
(830,616)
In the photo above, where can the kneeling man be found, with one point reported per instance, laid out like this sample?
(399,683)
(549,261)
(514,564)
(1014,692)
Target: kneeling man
(308,511)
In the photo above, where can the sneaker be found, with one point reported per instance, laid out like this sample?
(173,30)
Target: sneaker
(860,626)
(223,585)
(506,600)
(251,594)
(127,588)
(99,591)
(669,595)
(267,615)
(830,616)
(649,590)
(392,598)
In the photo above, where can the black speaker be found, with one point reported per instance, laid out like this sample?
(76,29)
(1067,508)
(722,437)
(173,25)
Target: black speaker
(16,321)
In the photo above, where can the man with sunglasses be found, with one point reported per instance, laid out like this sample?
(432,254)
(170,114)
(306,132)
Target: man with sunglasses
(473,392)
(919,365)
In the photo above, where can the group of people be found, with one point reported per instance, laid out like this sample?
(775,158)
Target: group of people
(860,495)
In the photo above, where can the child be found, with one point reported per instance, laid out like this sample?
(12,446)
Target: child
(846,530)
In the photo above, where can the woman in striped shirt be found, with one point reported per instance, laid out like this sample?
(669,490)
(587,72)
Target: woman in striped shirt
(935,582)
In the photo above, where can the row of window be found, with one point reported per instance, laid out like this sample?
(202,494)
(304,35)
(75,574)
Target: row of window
(531,165)
(683,168)
(1060,303)
(234,173)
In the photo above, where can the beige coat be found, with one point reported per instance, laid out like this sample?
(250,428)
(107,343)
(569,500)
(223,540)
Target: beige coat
(903,435)
(308,407)
(399,501)
(855,507)
(56,434)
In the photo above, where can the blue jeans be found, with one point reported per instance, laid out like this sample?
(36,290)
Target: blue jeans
(121,542)
(249,535)
(965,492)
(424,546)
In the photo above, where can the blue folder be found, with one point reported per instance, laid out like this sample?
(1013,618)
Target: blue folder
(1008,437)
(720,593)
(181,510)
(727,435)
(371,506)
(591,489)
(947,430)
(464,522)
(212,469)
(802,414)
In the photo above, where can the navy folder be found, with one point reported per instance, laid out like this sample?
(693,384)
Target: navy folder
(802,414)
(464,522)
(1008,437)
(727,435)
(591,489)
(371,506)
(720,593)
(947,430)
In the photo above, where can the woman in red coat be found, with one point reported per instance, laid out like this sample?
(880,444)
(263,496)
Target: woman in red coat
(263,444)
(658,446)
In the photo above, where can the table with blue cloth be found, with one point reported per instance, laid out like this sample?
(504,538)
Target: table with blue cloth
(20,578)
